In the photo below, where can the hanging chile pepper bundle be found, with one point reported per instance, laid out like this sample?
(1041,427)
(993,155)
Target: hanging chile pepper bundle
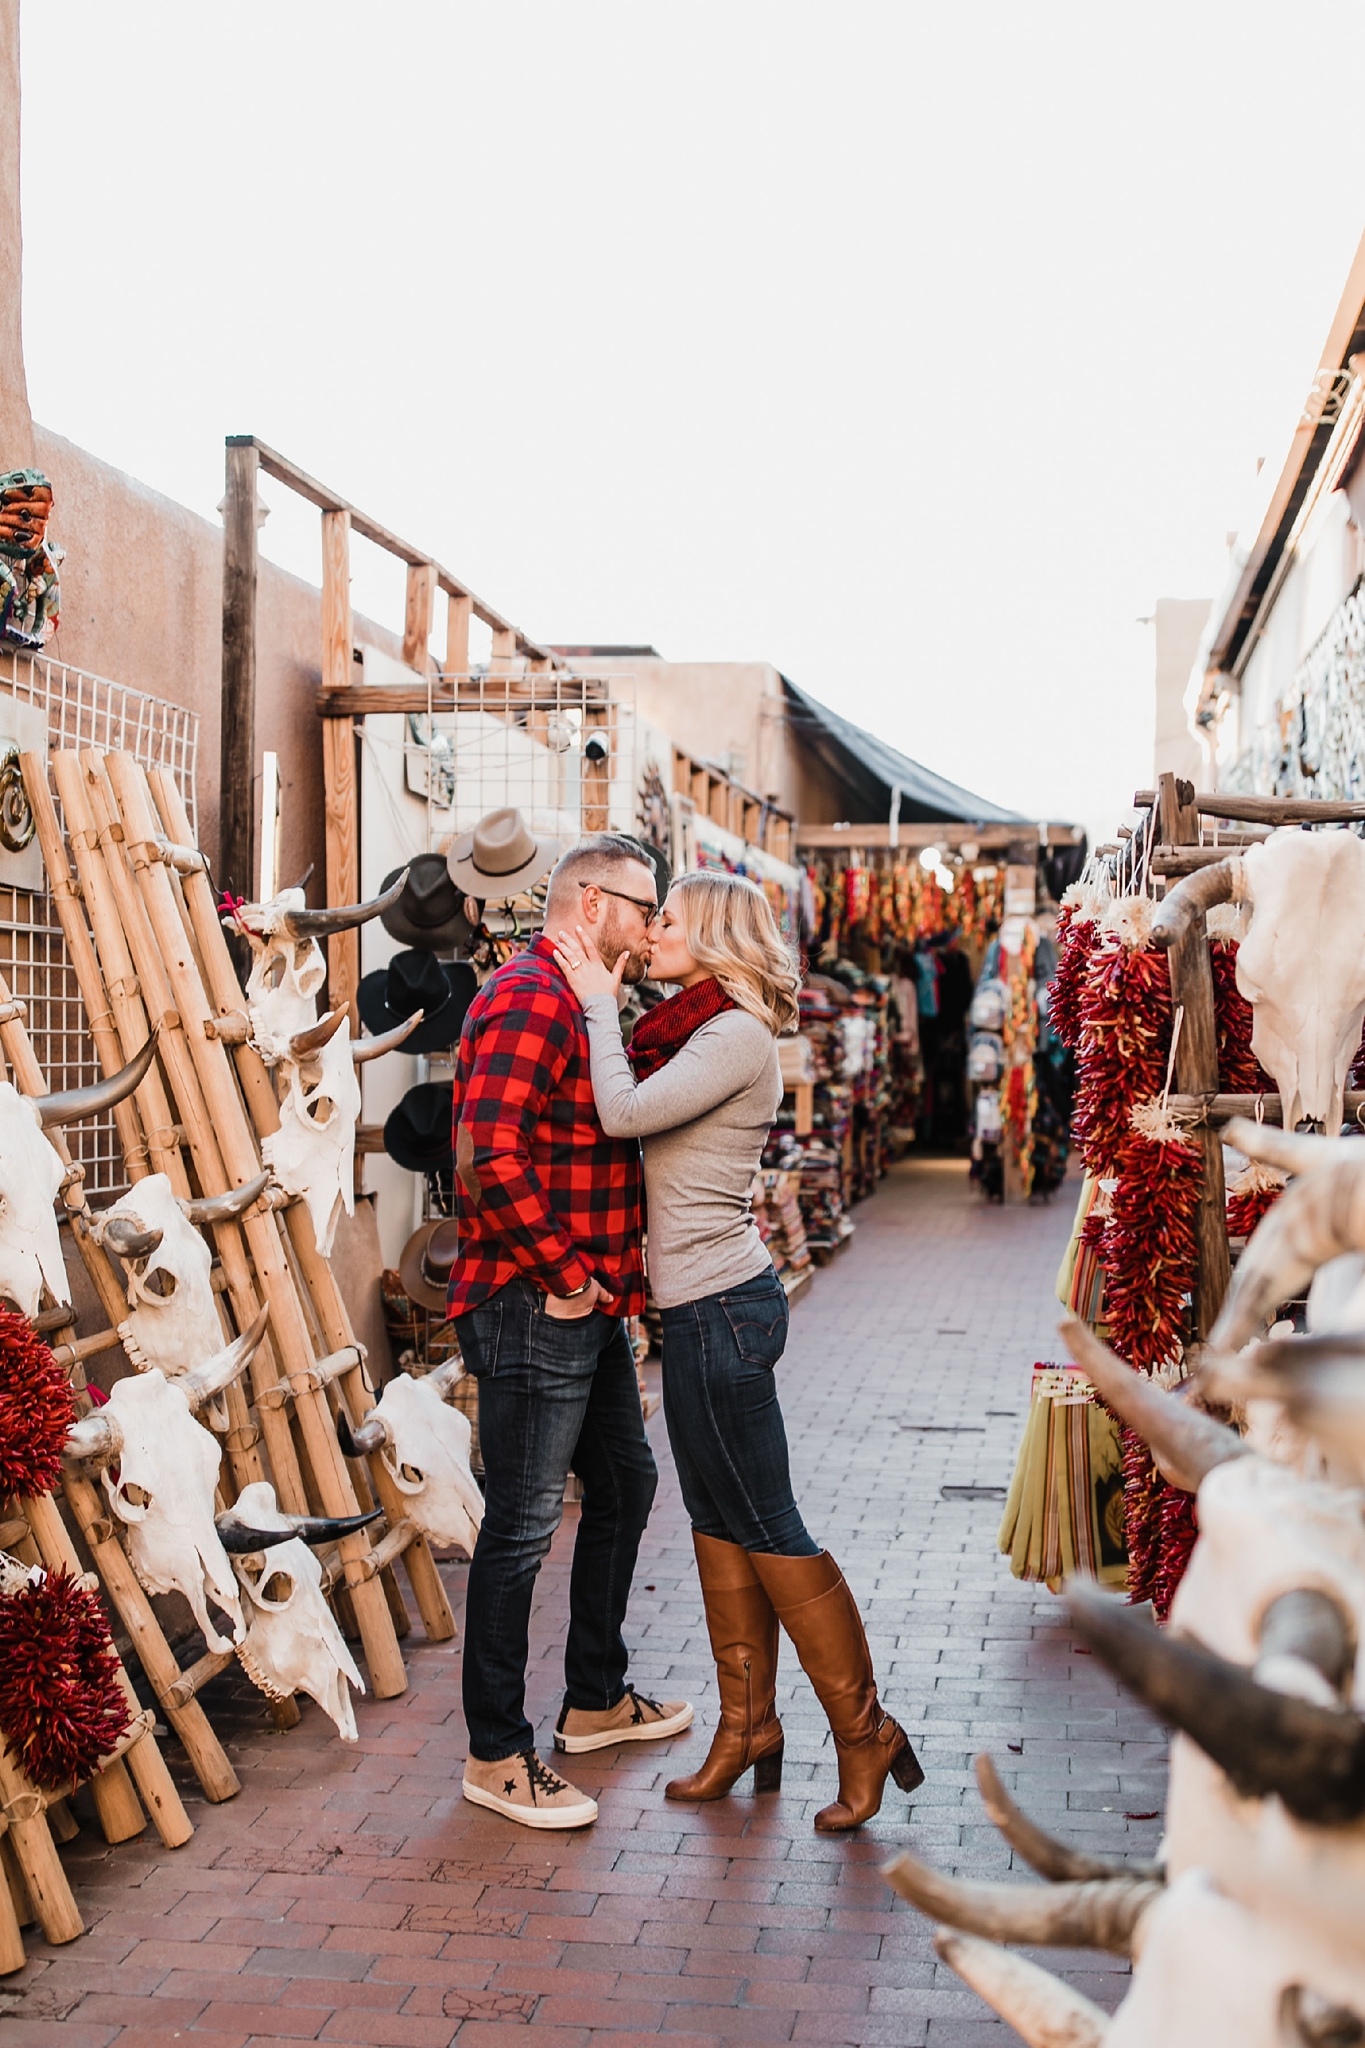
(36,1409)
(61,1706)
(1078,933)
(1258,1187)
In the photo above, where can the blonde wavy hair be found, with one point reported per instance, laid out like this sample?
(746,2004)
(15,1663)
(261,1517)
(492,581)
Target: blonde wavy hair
(732,933)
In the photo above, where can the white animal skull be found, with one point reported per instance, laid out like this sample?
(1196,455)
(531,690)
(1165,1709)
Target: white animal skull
(1301,963)
(167,1468)
(424,1443)
(288,970)
(30,1176)
(313,1152)
(292,1643)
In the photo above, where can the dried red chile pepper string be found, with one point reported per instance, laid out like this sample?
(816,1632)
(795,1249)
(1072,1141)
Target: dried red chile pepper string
(1124,1043)
(1239,1070)
(61,1706)
(36,1409)
(1077,938)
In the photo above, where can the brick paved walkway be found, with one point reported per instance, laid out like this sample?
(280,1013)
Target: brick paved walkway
(349,1895)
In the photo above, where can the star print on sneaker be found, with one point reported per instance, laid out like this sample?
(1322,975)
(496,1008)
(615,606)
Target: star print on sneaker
(525,1790)
(634,1718)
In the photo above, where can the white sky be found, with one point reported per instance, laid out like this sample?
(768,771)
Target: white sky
(915,349)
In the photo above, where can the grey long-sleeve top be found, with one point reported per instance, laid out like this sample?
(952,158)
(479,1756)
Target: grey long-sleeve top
(703,1120)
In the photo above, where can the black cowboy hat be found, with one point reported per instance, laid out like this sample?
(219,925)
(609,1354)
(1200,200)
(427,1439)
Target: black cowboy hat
(419,981)
(430,912)
(418,1132)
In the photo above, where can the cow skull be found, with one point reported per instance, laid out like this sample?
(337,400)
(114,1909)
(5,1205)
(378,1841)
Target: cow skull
(425,1446)
(159,1469)
(1301,962)
(292,1643)
(172,1322)
(31,1175)
(313,1152)
(287,969)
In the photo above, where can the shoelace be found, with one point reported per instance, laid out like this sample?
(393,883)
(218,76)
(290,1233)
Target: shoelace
(639,1700)
(538,1777)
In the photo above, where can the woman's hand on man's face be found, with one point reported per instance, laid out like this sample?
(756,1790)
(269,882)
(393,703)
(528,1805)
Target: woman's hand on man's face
(583,967)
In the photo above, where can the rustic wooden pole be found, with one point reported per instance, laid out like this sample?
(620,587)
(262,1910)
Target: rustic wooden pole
(36,1854)
(241,1159)
(1196,1062)
(319,1278)
(340,787)
(237,748)
(458,612)
(417,622)
(144,1759)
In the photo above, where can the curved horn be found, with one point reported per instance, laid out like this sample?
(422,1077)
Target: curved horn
(1314,1220)
(1224,882)
(373,1434)
(1185,1443)
(1291,1151)
(317,924)
(1044,2012)
(122,1235)
(1312,1627)
(237,1534)
(317,1035)
(71,1104)
(445,1378)
(363,1049)
(1313,1757)
(1089,1914)
(1051,1859)
(95,1439)
(221,1370)
(225,1208)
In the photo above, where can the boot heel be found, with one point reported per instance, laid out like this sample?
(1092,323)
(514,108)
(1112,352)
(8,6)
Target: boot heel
(768,1772)
(907,1770)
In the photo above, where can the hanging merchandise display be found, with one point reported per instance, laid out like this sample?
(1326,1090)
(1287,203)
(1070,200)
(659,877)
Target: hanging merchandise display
(61,1705)
(877,899)
(30,595)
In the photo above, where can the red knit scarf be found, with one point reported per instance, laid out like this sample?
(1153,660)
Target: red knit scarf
(666,1028)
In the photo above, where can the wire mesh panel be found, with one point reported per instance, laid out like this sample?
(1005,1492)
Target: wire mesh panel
(82,710)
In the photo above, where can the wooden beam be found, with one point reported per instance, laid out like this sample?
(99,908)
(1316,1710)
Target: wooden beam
(342,793)
(237,731)
(513,693)
(458,609)
(909,838)
(504,650)
(1196,1063)
(1269,810)
(1217,1110)
(419,614)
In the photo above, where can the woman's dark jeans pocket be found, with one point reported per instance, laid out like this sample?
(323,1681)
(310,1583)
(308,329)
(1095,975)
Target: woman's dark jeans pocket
(758,1315)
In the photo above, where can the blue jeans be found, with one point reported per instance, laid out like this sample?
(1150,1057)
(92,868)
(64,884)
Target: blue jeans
(552,1395)
(724,1420)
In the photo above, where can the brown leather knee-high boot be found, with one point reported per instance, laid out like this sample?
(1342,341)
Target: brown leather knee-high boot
(820,1615)
(743,1631)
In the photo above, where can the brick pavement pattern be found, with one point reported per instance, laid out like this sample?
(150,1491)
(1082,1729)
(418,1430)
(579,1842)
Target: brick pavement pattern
(349,1894)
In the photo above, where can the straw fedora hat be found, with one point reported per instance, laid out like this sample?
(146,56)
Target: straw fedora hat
(500,857)
(425,1263)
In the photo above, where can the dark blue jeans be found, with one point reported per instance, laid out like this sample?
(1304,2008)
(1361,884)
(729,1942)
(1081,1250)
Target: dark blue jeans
(552,1395)
(724,1420)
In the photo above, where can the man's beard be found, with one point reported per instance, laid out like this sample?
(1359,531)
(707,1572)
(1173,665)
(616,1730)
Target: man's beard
(612,943)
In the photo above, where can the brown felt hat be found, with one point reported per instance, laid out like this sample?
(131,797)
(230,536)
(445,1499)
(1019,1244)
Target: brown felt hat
(425,1263)
(500,857)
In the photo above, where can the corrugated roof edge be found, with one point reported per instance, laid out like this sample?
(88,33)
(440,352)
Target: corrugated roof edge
(919,786)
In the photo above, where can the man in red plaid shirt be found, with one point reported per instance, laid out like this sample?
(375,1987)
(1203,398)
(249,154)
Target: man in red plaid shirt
(550,1261)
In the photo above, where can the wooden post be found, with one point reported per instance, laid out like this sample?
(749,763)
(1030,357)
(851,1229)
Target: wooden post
(341,788)
(596,774)
(1196,1062)
(458,613)
(237,747)
(504,651)
(418,616)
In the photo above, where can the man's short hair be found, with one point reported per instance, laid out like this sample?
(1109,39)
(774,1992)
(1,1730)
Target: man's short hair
(595,858)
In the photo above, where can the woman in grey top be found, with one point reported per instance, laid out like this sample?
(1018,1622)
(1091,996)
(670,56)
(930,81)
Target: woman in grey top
(700,1087)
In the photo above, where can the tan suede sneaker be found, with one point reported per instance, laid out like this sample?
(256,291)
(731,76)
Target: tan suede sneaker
(634,1718)
(523,1789)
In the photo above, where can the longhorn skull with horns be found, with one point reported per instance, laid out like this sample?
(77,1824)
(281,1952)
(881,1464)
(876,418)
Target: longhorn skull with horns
(292,1643)
(31,1174)
(1301,962)
(172,1322)
(425,1444)
(288,969)
(167,1468)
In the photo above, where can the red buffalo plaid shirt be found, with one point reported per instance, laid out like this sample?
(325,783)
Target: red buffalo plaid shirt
(541,1189)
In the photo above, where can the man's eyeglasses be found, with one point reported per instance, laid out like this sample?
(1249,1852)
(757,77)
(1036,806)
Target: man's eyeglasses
(649,911)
